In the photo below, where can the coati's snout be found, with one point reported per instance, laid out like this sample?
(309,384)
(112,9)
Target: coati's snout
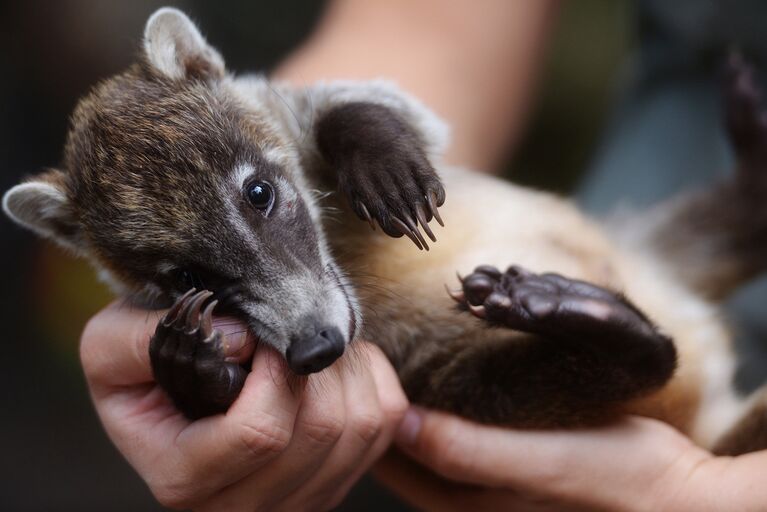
(315,348)
(308,319)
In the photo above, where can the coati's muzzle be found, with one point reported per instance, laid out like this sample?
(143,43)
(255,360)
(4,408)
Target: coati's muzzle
(315,348)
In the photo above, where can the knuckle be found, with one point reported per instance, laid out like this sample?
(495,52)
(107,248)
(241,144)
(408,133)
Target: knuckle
(264,439)
(367,426)
(444,452)
(394,406)
(323,430)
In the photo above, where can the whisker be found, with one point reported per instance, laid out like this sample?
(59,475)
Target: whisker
(300,125)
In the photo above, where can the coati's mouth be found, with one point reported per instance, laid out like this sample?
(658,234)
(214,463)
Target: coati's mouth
(314,345)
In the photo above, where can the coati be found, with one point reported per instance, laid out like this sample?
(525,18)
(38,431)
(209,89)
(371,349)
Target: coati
(187,186)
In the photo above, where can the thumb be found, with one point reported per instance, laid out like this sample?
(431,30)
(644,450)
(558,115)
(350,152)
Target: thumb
(114,347)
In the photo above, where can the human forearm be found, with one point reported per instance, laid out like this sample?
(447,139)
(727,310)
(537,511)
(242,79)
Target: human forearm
(474,66)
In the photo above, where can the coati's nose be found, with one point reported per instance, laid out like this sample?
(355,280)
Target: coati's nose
(311,354)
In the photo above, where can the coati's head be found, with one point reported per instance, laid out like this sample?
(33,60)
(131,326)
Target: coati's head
(169,182)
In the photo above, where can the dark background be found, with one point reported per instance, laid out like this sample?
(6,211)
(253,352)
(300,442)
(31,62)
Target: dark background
(54,454)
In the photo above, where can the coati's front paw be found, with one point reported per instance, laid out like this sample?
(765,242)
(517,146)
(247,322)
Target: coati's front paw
(556,307)
(188,360)
(399,193)
(382,169)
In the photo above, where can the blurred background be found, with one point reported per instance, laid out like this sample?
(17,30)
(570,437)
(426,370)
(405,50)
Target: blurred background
(55,455)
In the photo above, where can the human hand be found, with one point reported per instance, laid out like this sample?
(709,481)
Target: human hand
(633,464)
(284,444)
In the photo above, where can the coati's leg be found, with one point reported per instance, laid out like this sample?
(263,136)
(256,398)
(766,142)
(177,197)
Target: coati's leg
(188,360)
(716,239)
(380,165)
(588,351)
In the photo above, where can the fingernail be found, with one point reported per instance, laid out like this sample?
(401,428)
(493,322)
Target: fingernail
(410,427)
(238,343)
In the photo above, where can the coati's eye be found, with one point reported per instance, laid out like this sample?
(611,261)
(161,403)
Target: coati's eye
(189,279)
(261,195)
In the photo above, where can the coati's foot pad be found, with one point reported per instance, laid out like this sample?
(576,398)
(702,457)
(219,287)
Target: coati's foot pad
(564,309)
(382,169)
(188,359)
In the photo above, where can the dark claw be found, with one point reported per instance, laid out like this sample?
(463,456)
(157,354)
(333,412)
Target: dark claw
(421,215)
(431,199)
(478,311)
(366,215)
(193,313)
(174,310)
(456,295)
(406,231)
(414,229)
(183,313)
(206,321)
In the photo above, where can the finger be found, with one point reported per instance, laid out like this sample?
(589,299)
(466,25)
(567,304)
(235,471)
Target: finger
(374,405)
(319,425)
(392,403)
(424,490)
(238,342)
(563,464)
(114,347)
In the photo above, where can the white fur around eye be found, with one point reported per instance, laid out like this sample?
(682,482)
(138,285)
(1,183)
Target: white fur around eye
(286,193)
(241,174)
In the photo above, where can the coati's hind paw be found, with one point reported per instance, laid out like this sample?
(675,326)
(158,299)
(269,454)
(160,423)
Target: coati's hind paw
(382,169)
(543,303)
(745,116)
(188,360)
(568,311)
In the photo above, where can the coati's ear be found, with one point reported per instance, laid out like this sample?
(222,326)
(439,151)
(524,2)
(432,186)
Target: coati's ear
(174,47)
(42,206)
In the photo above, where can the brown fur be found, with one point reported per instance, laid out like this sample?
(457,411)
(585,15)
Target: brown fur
(145,173)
